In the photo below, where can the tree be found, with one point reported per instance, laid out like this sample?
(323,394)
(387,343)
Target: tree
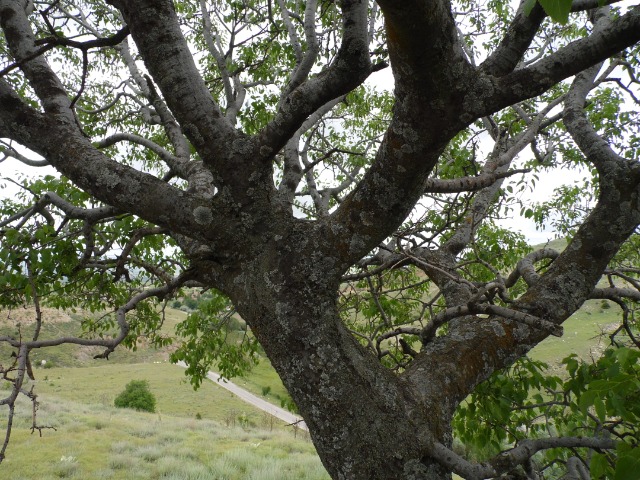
(236,146)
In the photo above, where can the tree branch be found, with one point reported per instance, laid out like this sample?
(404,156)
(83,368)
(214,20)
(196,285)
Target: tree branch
(525,267)
(304,61)
(349,69)
(155,28)
(176,164)
(518,455)
(9,152)
(21,41)
(468,184)
(516,41)
(113,183)
(534,79)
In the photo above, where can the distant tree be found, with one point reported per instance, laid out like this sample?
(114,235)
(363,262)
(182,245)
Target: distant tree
(239,146)
(136,395)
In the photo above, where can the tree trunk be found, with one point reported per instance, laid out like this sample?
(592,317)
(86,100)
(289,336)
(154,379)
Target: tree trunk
(365,421)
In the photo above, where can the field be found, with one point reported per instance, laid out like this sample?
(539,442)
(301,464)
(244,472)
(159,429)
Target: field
(585,334)
(97,441)
(203,434)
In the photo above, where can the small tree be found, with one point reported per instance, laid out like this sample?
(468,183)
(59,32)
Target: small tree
(136,395)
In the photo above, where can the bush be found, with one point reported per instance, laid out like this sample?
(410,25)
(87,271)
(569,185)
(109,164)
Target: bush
(288,403)
(191,303)
(136,395)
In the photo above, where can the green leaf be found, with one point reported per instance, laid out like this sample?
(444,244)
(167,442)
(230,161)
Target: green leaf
(558,10)
(628,466)
(528,6)
(601,411)
(598,466)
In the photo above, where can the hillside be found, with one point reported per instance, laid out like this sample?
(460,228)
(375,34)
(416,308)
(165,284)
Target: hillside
(98,441)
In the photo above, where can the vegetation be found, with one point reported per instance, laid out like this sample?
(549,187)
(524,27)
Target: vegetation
(98,441)
(240,158)
(84,395)
(136,395)
(230,440)
(99,384)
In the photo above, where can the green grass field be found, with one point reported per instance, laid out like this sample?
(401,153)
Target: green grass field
(96,441)
(101,383)
(585,334)
(203,434)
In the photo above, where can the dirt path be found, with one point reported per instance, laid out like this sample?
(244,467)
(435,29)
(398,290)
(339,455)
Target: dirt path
(254,400)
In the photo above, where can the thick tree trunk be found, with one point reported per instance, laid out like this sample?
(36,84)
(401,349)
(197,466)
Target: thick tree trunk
(365,421)
(362,417)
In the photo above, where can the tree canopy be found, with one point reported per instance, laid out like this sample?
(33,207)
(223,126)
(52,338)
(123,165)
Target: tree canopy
(240,147)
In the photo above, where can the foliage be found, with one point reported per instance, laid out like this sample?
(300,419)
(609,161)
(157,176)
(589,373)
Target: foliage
(136,395)
(589,398)
(205,341)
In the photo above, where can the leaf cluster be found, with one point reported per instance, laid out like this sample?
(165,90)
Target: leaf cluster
(208,340)
(528,400)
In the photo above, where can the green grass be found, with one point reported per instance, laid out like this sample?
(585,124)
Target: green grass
(101,442)
(100,385)
(172,317)
(260,377)
(582,334)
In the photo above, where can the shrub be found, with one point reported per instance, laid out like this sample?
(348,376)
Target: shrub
(191,303)
(288,403)
(136,395)
(245,421)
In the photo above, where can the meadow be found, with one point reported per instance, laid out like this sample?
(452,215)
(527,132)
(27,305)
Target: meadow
(204,434)
(97,441)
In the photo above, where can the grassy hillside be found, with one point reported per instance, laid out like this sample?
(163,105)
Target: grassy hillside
(96,441)
(100,385)
(583,334)
(57,324)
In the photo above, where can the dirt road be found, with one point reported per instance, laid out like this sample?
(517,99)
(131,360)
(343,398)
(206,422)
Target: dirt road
(254,400)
